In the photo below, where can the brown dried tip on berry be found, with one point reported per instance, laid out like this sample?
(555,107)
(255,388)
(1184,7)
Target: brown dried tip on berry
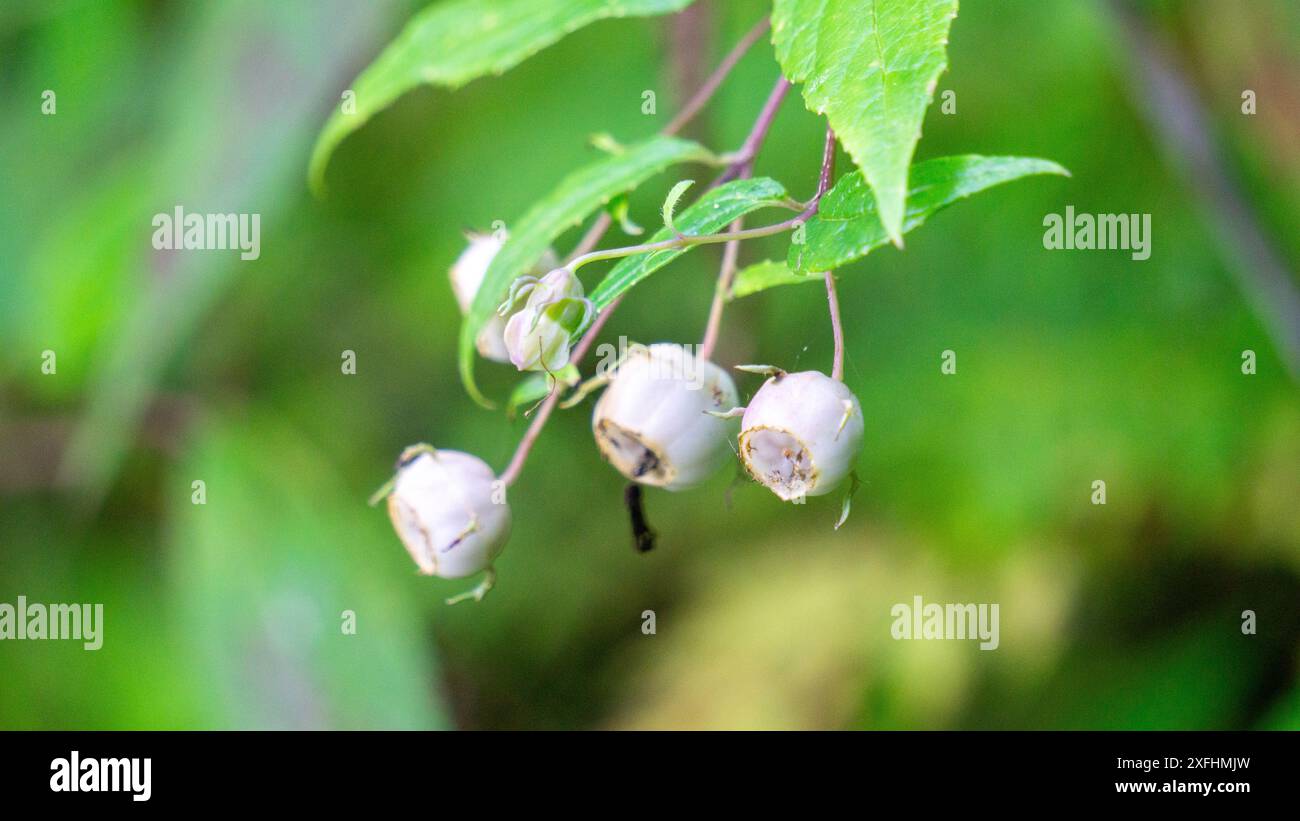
(654,422)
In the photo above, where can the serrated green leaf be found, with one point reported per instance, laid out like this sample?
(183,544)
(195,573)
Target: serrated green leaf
(847,226)
(763,275)
(711,213)
(870,66)
(449,44)
(576,197)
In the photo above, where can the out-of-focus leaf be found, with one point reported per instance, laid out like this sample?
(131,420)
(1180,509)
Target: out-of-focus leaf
(449,44)
(870,66)
(848,226)
(266,572)
(709,214)
(577,196)
(763,275)
(185,284)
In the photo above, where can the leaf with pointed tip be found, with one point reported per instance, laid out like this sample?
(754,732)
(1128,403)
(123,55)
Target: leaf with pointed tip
(711,213)
(870,66)
(847,226)
(451,43)
(576,197)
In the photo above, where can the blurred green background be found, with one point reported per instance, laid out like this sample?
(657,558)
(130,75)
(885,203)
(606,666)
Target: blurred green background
(1072,366)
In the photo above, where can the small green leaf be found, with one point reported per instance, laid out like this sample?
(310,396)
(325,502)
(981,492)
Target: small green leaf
(618,210)
(670,203)
(537,386)
(763,275)
(711,213)
(451,43)
(871,67)
(575,198)
(847,226)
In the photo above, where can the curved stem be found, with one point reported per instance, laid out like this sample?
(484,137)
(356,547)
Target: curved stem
(701,97)
(687,241)
(726,275)
(837,329)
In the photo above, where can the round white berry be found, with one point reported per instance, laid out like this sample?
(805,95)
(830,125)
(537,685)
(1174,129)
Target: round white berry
(449,511)
(652,422)
(801,434)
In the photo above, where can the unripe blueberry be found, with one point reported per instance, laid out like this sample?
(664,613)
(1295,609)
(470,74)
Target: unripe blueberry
(539,334)
(467,276)
(801,434)
(449,511)
(653,422)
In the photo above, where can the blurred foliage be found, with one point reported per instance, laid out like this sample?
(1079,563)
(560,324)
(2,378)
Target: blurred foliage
(1072,366)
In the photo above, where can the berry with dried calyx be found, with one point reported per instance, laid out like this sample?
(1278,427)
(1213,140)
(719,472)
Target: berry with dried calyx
(657,421)
(450,512)
(801,434)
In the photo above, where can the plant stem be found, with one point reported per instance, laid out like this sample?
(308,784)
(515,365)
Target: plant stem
(832,299)
(744,160)
(742,169)
(726,274)
(701,97)
(837,329)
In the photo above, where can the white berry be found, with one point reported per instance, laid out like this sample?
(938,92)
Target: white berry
(653,423)
(449,511)
(801,434)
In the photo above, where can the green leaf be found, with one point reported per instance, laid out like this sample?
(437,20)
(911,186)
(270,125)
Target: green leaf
(577,196)
(670,203)
(711,213)
(763,275)
(619,210)
(870,66)
(449,44)
(537,386)
(847,226)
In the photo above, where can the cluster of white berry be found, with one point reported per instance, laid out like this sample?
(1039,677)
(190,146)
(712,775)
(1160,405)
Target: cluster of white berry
(663,421)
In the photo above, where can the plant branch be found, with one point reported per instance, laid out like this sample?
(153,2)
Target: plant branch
(701,97)
(744,160)
(689,111)
(742,168)
(832,299)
